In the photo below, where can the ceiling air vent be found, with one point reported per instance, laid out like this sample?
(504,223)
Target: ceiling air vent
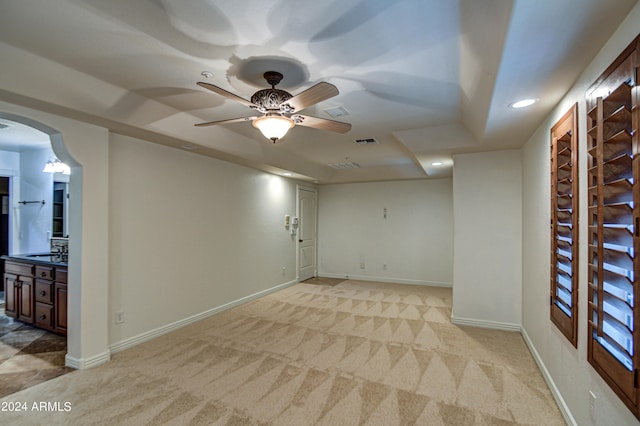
(336,112)
(342,166)
(368,141)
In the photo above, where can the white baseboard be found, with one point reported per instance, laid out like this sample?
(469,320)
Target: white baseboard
(496,325)
(564,409)
(84,363)
(387,279)
(143,337)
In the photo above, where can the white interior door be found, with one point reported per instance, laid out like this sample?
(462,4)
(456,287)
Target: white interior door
(307,200)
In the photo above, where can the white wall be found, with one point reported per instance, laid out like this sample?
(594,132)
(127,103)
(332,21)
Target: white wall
(566,367)
(487,274)
(34,220)
(9,162)
(415,241)
(30,224)
(188,234)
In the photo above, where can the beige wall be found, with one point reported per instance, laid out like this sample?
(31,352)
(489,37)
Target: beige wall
(189,233)
(487,272)
(415,241)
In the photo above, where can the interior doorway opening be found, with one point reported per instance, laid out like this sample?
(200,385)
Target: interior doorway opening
(19,153)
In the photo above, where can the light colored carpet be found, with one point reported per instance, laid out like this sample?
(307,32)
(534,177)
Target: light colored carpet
(357,353)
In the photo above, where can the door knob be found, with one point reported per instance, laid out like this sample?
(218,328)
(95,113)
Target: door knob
(300,241)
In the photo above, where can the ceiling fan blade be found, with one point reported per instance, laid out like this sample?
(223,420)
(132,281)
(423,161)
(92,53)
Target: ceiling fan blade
(313,95)
(226,94)
(321,123)
(231,120)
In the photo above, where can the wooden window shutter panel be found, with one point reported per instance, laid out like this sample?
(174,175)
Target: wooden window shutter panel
(613,114)
(564,225)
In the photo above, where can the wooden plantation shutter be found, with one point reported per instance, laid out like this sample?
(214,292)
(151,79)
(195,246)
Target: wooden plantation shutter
(564,225)
(614,194)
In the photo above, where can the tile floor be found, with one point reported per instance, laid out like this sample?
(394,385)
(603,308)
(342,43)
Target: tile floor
(28,355)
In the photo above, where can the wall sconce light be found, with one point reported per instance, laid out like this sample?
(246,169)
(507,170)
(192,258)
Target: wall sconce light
(56,166)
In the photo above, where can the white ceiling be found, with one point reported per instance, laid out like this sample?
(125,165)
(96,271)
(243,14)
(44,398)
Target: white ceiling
(18,137)
(426,78)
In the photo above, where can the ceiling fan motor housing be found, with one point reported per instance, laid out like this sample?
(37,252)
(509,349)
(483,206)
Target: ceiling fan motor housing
(270,99)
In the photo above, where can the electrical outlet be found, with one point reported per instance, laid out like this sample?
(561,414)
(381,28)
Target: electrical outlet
(384,266)
(592,405)
(361,265)
(119,317)
(284,271)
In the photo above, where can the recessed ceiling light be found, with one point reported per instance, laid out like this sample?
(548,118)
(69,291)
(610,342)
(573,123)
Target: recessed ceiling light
(523,103)
(206,74)
(188,147)
(437,163)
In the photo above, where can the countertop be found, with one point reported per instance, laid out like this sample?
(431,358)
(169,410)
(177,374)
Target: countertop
(49,259)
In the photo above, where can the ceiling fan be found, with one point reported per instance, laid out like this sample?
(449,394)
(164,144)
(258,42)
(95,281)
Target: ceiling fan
(279,108)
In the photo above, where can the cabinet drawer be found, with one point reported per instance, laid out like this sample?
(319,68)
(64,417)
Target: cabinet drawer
(18,268)
(45,272)
(61,275)
(44,291)
(44,316)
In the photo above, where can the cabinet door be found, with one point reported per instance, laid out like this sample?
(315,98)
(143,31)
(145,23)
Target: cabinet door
(61,309)
(25,299)
(10,295)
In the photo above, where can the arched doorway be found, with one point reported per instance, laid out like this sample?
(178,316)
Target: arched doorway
(56,143)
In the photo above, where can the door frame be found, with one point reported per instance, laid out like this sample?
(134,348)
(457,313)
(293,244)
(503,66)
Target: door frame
(315,260)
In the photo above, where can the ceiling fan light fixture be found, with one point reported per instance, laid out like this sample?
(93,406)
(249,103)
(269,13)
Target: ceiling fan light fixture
(273,126)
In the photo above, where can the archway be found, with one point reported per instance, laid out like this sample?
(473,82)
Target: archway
(75,179)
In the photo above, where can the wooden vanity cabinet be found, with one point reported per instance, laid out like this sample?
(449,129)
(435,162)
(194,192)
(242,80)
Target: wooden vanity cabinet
(37,294)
